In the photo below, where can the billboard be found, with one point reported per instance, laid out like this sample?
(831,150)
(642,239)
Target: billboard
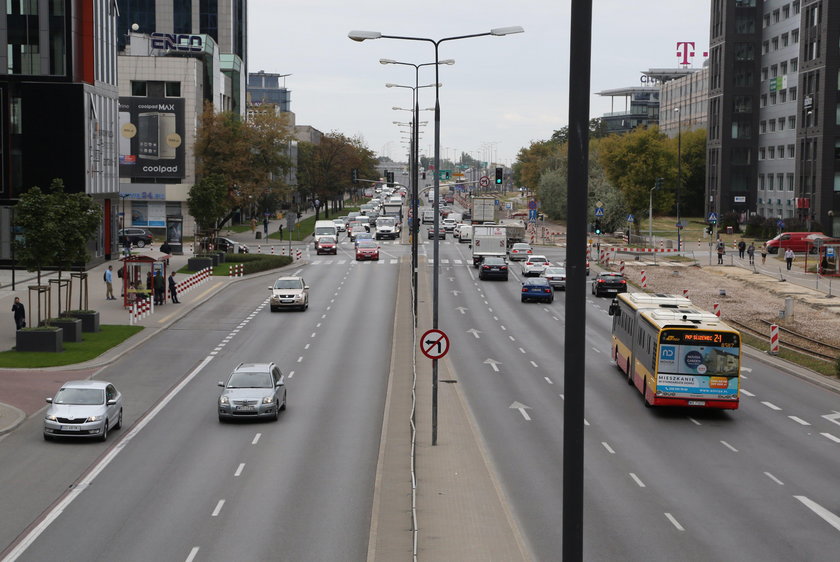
(151,137)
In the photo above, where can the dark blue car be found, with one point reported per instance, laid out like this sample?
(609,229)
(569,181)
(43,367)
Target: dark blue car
(537,289)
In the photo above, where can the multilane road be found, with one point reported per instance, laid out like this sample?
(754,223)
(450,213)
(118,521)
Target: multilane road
(754,484)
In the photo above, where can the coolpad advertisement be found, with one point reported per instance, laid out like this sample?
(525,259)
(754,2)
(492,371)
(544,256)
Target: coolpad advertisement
(151,137)
(697,371)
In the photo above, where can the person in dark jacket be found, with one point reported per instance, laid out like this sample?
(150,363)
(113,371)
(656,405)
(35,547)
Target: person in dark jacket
(173,288)
(20,314)
(160,288)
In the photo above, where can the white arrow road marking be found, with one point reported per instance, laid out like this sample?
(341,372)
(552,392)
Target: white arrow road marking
(521,408)
(462,310)
(493,363)
(829,517)
(474,332)
(833,418)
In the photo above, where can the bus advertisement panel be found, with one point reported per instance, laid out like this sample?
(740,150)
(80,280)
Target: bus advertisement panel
(698,364)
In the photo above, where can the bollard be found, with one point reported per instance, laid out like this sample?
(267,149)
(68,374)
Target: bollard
(259,249)
(644,279)
(685,293)
(272,250)
(621,267)
(716,309)
(774,339)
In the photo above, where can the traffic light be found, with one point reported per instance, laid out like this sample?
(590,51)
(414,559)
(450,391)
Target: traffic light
(597,226)
(389,176)
(354,175)
(499,172)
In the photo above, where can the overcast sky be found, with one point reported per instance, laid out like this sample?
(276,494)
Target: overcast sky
(501,93)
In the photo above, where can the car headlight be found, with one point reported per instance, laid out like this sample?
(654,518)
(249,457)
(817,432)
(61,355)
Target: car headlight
(52,418)
(94,418)
(224,400)
(267,399)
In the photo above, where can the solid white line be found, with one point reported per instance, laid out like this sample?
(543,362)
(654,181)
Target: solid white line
(771,406)
(728,446)
(218,508)
(86,481)
(829,517)
(607,447)
(522,350)
(535,365)
(192,555)
(695,422)
(239,469)
(637,480)
(747,392)
(774,479)
(256,438)
(800,421)
(673,520)
(830,436)
(548,380)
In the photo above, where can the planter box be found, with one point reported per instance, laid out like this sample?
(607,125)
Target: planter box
(197,264)
(72,328)
(40,339)
(90,319)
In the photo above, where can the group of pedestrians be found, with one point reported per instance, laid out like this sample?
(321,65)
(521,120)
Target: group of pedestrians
(744,251)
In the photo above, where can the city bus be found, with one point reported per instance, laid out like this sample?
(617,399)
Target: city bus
(674,353)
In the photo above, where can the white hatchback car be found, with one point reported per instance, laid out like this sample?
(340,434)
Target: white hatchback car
(534,265)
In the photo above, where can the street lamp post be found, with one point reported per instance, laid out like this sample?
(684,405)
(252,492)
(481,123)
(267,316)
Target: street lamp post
(650,211)
(364,35)
(679,173)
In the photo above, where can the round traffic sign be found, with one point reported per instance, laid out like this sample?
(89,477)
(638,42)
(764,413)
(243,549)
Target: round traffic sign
(434,344)
(532,204)
(484,181)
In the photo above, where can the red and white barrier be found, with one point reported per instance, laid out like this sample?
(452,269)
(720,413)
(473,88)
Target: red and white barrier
(272,250)
(644,250)
(298,255)
(716,309)
(685,293)
(237,270)
(644,279)
(621,267)
(774,339)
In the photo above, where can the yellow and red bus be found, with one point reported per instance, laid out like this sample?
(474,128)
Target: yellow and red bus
(674,353)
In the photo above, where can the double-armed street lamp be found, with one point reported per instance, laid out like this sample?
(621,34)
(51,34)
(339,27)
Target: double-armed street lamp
(365,35)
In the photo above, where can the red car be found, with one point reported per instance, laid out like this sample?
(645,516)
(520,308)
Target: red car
(327,245)
(367,250)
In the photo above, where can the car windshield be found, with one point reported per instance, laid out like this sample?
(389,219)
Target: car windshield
(80,396)
(250,380)
(537,259)
(367,244)
(521,247)
(288,284)
(555,271)
(327,240)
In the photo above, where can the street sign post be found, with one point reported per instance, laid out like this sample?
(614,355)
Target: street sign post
(434,344)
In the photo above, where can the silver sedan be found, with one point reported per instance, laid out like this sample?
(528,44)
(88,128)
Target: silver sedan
(253,390)
(556,277)
(84,409)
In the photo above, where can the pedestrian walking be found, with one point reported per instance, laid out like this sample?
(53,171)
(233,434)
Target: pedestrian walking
(20,314)
(742,246)
(789,255)
(751,253)
(160,288)
(109,284)
(150,287)
(253,224)
(721,250)
(173,288)
(763,253)
(265,226)
(280,230)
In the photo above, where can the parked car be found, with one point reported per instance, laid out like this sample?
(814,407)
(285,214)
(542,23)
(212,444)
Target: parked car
(253,390)
(139,237)
(556,277)
(493,268)
(537,289)
(84,409)
(289,292)
(608,283)
(520,251)
(797,241)
(327,245)
(534,265)
(367,250)
(228,245)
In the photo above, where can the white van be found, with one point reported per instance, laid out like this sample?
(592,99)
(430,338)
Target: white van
(428,216)
(324,228)
(465,233)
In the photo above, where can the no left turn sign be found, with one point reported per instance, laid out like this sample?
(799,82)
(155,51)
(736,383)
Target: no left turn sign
(434,344)
(484,181)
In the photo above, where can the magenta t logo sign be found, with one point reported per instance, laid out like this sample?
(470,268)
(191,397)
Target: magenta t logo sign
(685,51)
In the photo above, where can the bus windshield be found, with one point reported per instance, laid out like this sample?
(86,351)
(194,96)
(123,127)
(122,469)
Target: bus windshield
(697,352)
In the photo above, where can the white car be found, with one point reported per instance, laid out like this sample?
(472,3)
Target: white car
(84,409)
(449,224)
(289,292)
(534,265)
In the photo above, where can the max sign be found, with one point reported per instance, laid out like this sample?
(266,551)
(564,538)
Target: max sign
(177,42)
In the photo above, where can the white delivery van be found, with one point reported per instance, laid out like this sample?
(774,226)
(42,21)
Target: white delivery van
(428,216)
(324,228)
(465,233)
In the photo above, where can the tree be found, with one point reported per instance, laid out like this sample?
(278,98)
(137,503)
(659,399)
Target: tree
(208,203)
(531,162)
(597,130)
(632,163)
(692,149)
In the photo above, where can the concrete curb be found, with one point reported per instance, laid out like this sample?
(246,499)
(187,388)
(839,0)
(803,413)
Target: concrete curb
(10,418)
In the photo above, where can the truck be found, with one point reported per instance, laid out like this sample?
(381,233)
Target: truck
(488,240)
(515,230)
(483,209)
(392,210)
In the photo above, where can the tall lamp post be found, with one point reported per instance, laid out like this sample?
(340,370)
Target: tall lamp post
(650,211)
(679,173)
(364,35)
